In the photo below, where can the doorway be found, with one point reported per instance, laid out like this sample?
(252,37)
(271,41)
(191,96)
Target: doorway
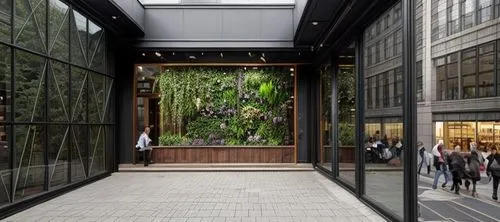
(148,112)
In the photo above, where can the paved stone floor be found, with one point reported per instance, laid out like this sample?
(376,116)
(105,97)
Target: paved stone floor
(208,196)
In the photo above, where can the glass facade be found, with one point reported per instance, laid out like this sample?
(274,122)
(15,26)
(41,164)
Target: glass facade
(56,124)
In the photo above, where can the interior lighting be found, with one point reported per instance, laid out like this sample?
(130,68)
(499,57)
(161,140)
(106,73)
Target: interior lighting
(139,68)
(314,23)
(173,53)
(143,54)
(263,59)
(221,55)
(192,57)
(255,67)
(249,54)
(292,69)
(263,55)
(158,54)
(202,53)
(291,74)
(114,17)
(245,68)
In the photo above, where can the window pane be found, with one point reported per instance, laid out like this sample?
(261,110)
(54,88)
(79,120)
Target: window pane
(468,7)
(453,18)
(484,10)
(58,155)
(30,22)
(97,95)
(4,163)
(30,87)
(5,20)
(78,39)
(79,140)
(438,19)
(96,151)
(5,83)
(58,82)
(469,87)
(346,116)
(79,94)
(29,163)
(97,47)
(59,30)
(486,86)
(452,86)
(399,86)
(326,117)
(385,96)
(109,105)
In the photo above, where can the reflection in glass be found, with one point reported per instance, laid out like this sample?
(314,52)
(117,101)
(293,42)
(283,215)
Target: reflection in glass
(96,47)
(58,82)
(5,20)
(78,39)
(30,85)
(5,177)
(96,151)
(79,94)
(5,86)
(59,30)
(29,171)
(58,155)
(346,98)
(30,21)
(97,94)
(78,152)
(383,148)
(326,117)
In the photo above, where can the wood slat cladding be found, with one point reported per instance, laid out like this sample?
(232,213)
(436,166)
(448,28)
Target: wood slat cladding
(224,154)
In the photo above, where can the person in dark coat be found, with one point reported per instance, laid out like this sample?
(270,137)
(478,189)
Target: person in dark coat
(456,164)
(474,173)
(493,170)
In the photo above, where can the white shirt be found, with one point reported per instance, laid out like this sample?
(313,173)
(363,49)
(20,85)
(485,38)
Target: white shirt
(143,141)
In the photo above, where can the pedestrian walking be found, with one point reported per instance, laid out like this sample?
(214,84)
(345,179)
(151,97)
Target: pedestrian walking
(440,165)
(423,161)
(493,170)
(457,168)
(474,173)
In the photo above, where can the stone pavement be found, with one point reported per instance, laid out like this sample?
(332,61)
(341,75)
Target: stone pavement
(205,196)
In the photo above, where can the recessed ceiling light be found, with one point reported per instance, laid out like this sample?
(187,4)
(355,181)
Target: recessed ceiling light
(192,57)
(255,67)
(173,53)
(158,54)
(139,68)
(143,54)
(114,17)
(250,54)
(221,55)
(315,23)
(292,69)
(263,55)
(202,53)
(263,59)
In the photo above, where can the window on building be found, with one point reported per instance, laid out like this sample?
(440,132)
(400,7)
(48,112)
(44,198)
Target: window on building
(397,13)
(486,69)
(369,56)
(498,68)
(469,63)
(398,42)
(452,75)
(419,33)
(387,20)
(441,78)
(398,86)
(453,17)
(438,19)
(378,91)
(385,78)
(497,8)
(484,10)
(420,82)
(371,92)
(378,27)
(377,52)
(468,9)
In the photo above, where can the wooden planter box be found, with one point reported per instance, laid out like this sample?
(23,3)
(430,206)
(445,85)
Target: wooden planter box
(223,154)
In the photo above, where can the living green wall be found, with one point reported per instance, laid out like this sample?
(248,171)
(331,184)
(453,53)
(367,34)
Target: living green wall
(226,106)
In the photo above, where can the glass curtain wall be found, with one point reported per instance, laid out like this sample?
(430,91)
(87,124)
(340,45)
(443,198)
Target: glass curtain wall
(383,146)
(326,149)
(56,124)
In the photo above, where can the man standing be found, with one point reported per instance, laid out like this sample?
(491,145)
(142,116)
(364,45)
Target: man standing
(493,170)
(143,146)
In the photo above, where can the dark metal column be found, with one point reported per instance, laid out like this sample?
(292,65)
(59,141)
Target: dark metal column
(360,118)
(409,113)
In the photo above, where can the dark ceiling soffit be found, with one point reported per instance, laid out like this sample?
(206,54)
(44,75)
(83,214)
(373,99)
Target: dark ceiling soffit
(102,10)
(341,38)
(305,19)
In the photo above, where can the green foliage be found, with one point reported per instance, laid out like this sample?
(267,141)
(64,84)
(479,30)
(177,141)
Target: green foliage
(347,134)
(168,139)
(227,103)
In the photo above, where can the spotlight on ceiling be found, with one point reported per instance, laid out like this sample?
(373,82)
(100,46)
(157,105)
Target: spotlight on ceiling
(158,54)
(139,68)
(315,23)
(192,57)
(143,54)
(115,17)
(202,53)
(263,59)
(263,55)
(292,69)
(249,54)
(245,68)
(173,53)
(221,55)
(255,67)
